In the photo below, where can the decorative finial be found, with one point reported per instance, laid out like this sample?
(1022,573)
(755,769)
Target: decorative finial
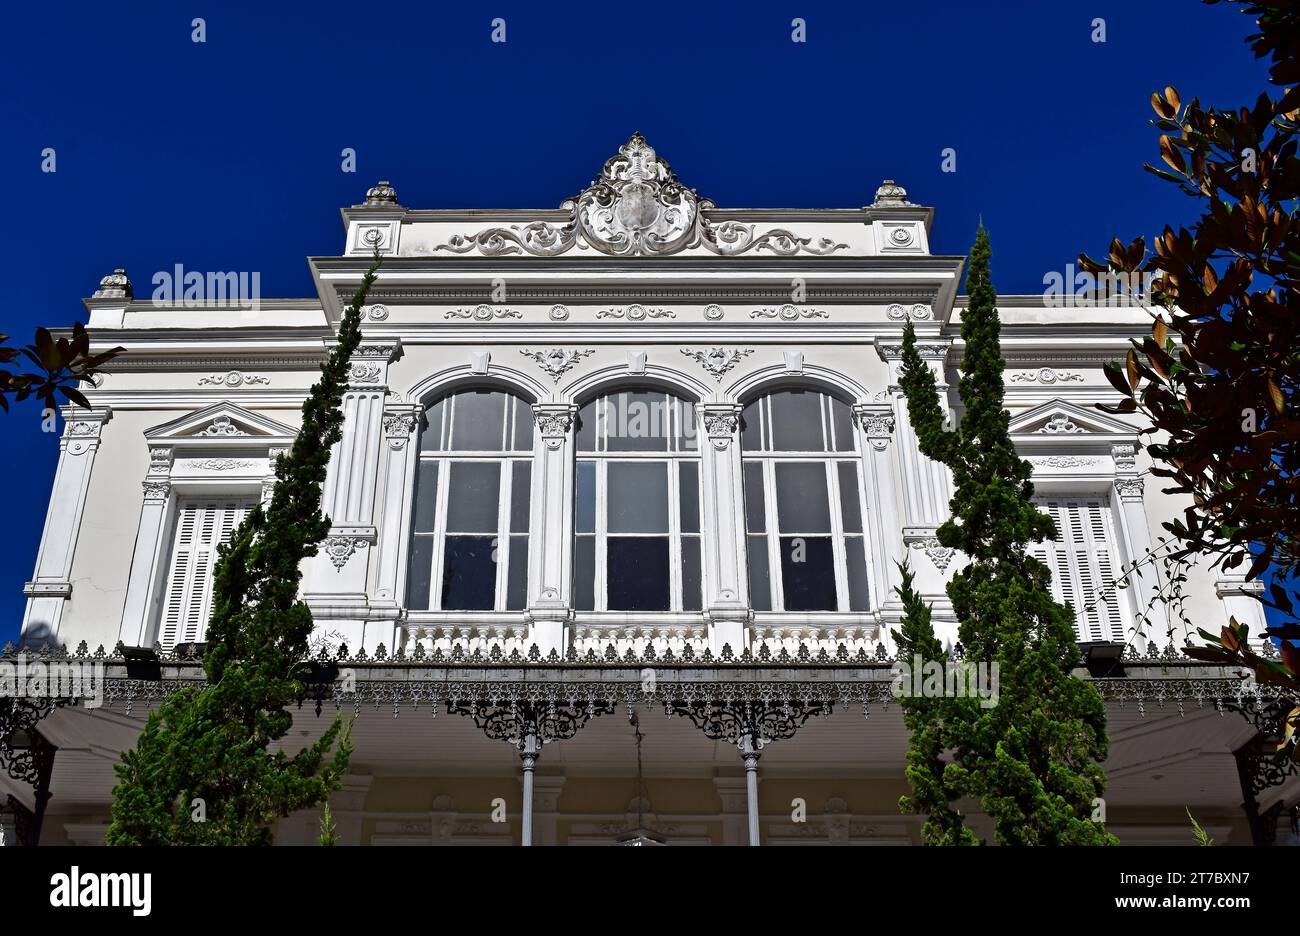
(890,194)
(114,286)
(382,194)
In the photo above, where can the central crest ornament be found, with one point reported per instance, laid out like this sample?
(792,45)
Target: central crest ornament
(637,206)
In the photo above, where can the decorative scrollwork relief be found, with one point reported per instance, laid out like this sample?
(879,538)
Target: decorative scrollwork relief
(718,361)
(557,361)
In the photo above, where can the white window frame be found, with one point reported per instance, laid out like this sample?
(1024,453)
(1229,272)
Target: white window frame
(505,460)
(1061,555)
(673,457)
(829,459)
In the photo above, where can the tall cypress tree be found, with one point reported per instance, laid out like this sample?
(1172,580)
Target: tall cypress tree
(1032,759)
(202,772)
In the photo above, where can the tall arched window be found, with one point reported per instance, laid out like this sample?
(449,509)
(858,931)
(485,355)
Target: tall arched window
(637,500)
(469,539)
(803,504)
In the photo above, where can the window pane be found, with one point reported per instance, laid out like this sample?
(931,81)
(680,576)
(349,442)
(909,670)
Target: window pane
(636,573)
(689,491)
(691,574)
(751,433)
(586,497)
(842,422)
(851,509)
(431,434)
(637,497)
(801,502)
(517,588)
(856,555)
(478,421)
(808,573)
(469,577)
(523,426)
(797,421)
(760,588)
(520,496)
(637,421)
(586,434)
(417,590)
(755,520)
(426,496)
(474,496)
(688,432)
(584,574)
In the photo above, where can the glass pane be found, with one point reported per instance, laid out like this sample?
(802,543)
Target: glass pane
(586,497)
(417,589)
(797,421)
(636,573)
(851,509)
(689,491)
(688,432)
(637,499)
(586,434)
(751,433)
(474,496)
(426,496)
(842,423)
(584,574)
(431,434)
(691,574)
(478,421)
(808,573)
(517,587)
(856,555)
(520,496)
(523,426)
(760,587)
(755,520)
(469,573)
(801,502)
(637,421)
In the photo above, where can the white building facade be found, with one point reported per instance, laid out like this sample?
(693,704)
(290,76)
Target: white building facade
(635,452)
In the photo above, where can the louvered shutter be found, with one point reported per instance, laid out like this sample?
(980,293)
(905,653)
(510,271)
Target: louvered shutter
(1083,565)
(201,525)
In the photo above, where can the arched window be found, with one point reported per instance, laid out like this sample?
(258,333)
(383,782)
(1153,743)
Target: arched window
(803,504)
(637,499)
(469,538)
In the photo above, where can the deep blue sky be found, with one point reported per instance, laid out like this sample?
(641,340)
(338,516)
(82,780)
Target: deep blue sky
(225,155)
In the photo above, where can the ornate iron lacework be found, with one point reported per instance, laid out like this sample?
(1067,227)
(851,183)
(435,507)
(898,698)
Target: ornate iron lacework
(757,721)
(515,720)
(18,720)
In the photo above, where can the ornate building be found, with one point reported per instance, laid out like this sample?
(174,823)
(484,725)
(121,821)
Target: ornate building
(637,453)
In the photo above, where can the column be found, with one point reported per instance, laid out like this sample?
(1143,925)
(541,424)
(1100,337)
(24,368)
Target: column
(400,423)
(337,582)
(149,548)
(1135,533)
(550,554)
(726,600)
(51,584)
(529,749)
(749,754)
(877,423)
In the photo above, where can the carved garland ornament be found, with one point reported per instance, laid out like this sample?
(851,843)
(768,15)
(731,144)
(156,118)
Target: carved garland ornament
(557,362)
(636,208)
(718,361)
(789,313)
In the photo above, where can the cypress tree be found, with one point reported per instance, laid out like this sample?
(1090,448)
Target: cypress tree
(1031,760)
(203,772)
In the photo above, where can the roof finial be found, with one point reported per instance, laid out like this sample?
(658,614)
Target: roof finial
(382,194)
(890,194)
(114,286)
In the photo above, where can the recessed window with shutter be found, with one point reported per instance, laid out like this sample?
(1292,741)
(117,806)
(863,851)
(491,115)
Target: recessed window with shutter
(202,524)
(1082,560)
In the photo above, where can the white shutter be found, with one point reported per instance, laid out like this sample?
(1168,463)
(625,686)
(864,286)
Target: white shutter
(201,525)
(1083,566)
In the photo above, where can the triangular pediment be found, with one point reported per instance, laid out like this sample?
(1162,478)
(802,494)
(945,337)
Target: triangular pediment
(1058,417)
(222,420)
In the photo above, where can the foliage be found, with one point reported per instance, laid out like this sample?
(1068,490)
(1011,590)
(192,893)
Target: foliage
(62,364)
(329,833)
(1198,831)
(212,745)
(1032,758)
(1217,376)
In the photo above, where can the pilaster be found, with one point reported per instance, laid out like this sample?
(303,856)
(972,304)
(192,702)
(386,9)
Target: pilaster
(726,600)
(550,553)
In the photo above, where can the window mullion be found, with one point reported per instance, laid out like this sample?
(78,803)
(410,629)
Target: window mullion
(599,601)
(439,534)
(775,583)
(838,549)
(674,536)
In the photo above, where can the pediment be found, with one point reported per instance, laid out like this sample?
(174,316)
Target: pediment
(1061,418)
(222,421)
